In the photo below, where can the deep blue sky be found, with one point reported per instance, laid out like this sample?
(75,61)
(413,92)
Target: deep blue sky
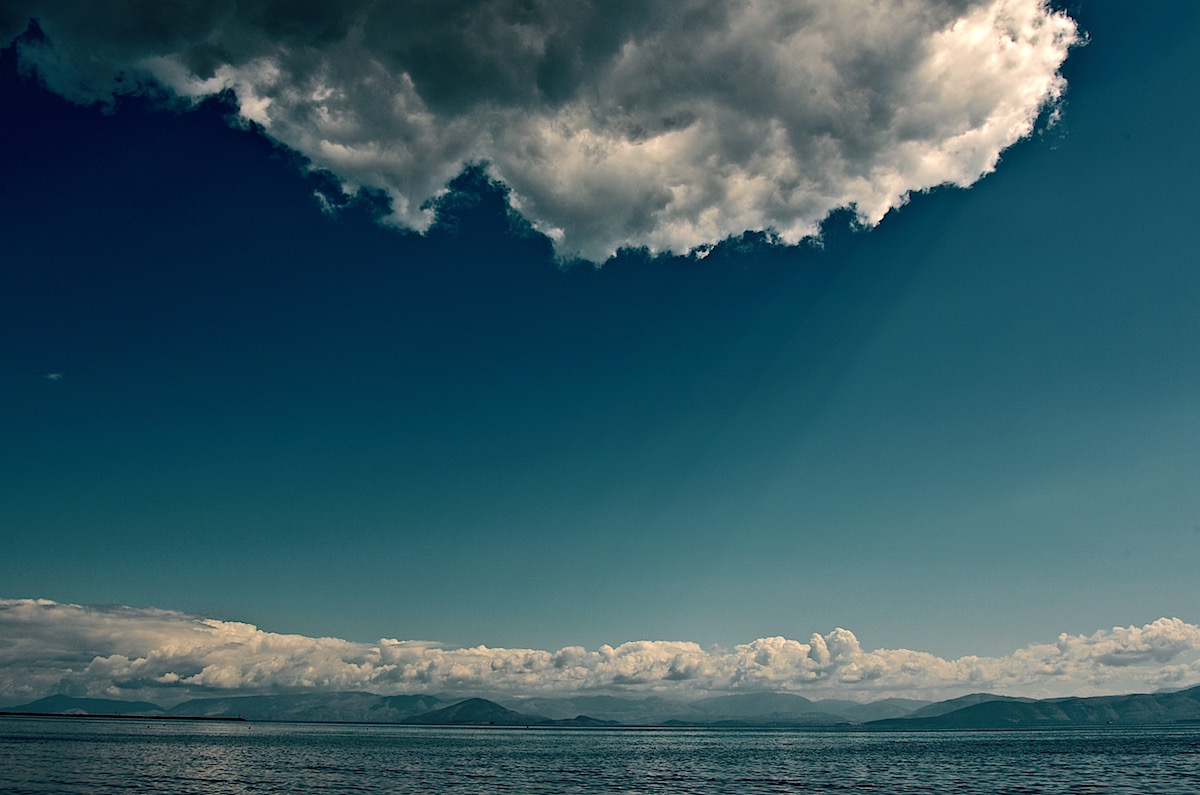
(974,426)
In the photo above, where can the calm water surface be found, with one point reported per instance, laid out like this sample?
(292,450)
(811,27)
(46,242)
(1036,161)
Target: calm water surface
(40,755)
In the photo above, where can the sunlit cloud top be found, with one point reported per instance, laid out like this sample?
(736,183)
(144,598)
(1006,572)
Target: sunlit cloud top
(653,123)
(130,652)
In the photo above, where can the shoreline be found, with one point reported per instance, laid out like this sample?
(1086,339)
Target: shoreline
(8,714)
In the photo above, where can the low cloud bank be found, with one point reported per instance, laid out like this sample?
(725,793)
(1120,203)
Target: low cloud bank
(166,656)
(660,123)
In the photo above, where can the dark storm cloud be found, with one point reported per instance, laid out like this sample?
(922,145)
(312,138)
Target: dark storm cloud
(668,124)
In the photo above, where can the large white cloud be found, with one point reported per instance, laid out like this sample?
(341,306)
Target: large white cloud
(48,647)
(665,123)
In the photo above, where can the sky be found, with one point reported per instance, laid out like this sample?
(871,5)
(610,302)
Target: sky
(670,347)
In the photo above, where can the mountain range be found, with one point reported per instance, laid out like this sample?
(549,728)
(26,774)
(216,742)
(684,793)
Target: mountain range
(976,711)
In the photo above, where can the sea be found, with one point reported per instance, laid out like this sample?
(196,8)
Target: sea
(62,756)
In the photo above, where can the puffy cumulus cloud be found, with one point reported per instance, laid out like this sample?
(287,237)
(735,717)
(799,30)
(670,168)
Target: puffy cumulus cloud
(1158,642)
(664,123)
(162,655)
(109,650)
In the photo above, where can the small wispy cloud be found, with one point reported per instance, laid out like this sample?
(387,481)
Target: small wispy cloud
(165,655)
(657,123)
(54,376)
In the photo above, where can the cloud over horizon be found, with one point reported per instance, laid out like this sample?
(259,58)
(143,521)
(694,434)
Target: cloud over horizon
(164,655)
(663,124)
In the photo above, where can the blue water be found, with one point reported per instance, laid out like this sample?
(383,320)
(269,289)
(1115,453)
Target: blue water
(41,755)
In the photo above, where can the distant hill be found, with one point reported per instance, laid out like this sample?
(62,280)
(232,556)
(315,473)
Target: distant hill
(651,710)
(766,709)
(874,710)
(475,712)
(762,709)
(1138,709)
(70,705)
(748,705)
(329,707)
(943,707)
(976,711)
(579,720)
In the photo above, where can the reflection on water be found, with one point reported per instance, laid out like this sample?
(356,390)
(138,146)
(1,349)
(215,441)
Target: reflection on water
(86,756)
